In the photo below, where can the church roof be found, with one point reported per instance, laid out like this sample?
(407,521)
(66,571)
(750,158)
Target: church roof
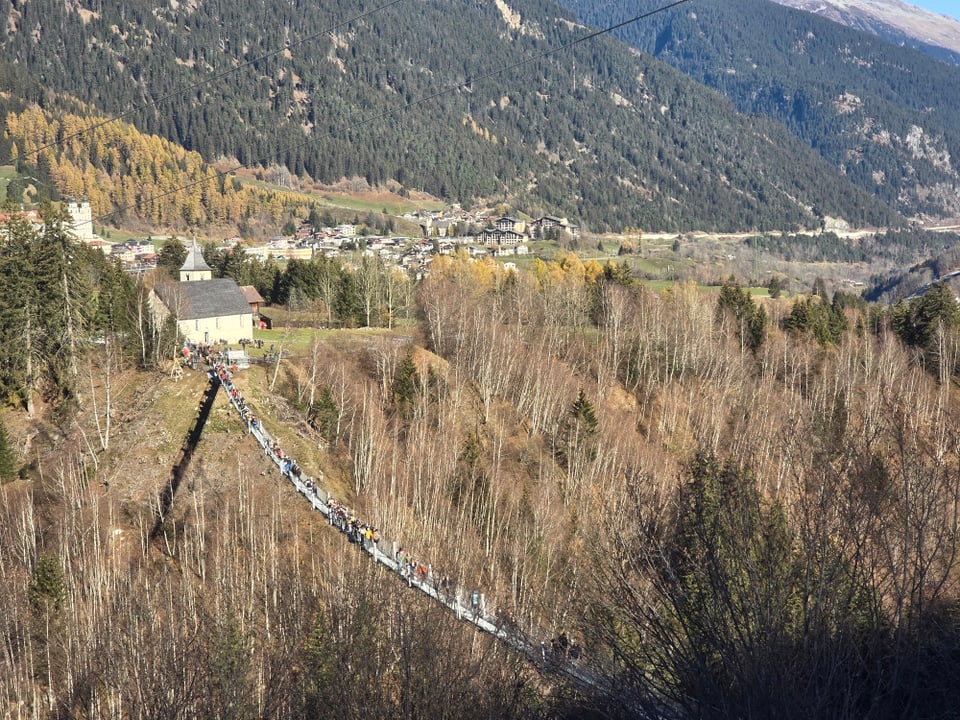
(195,261)
(204,299)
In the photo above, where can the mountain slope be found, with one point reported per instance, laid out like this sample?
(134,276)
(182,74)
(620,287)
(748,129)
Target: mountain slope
(888,117)
(893,20)
(596,132)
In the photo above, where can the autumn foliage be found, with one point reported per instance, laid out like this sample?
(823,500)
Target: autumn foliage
(135,176)
(729,516)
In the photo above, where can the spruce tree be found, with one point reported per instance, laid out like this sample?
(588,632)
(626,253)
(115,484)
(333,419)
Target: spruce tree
(406,385)
(581,412)
(172,256)
(8,456)
(750,320)
(47,586)
(576,436)
(324,415)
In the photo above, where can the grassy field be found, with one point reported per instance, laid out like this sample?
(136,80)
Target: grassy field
(659,285)
(7,172)
(377,202)
(297,340)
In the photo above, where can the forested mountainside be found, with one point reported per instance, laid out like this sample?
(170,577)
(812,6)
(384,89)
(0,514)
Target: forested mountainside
(912,280)
(596,132)
(888,117)
(895,21)
(734,507)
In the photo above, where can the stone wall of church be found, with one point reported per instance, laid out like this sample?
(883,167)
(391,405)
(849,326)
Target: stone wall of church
(232,328)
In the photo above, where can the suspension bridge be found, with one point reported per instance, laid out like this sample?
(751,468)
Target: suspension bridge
(555,656)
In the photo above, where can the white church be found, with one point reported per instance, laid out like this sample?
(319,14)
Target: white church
(207,310)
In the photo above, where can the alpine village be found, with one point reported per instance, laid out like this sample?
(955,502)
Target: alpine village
(468,359)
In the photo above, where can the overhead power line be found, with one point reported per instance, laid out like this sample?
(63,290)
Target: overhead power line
(219,175)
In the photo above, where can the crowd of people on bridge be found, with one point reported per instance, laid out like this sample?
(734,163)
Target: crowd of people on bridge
(195,354)
(358,531)
(226,381)
(339,515)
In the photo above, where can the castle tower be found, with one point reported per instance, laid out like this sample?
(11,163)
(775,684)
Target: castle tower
(81,218)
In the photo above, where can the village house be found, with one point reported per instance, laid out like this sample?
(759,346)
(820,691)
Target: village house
(325,239)
(510,224)
(254,299)
(101,245)
(548,222)
(496,236)
(31,217)
(293,253)
(140,247)
(541,226)
(123,253)
(501,250)
(261,252)
(441,227)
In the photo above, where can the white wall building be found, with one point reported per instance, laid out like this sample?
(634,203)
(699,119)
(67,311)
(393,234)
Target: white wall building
(81,220)
(207,310)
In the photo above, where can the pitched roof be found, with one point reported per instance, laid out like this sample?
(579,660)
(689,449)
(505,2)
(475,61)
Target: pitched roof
(204,298)
(251,294)
(194,261)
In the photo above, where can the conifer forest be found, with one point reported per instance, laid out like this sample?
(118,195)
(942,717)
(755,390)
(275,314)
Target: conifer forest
(685,448)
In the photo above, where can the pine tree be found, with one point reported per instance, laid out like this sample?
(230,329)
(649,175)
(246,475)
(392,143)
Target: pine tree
(320,665)
(581,412)
(576,436)
(325,415)
(58,270)
(749,319)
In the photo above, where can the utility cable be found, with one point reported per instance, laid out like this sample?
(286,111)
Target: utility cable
(220,174)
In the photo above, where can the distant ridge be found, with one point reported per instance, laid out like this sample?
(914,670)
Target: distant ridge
(597,133)
(899,22)
(884,115)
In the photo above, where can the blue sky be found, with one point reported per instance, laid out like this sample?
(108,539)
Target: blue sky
(945,7)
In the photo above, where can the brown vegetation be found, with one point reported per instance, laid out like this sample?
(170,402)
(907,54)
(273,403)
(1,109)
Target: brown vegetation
(727,531)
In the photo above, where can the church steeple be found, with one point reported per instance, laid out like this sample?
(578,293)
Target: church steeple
(195,267)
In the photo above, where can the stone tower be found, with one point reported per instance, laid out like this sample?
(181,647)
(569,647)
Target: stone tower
(81,219)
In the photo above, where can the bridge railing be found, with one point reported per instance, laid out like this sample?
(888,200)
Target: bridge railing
(468,607)
(319,499)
